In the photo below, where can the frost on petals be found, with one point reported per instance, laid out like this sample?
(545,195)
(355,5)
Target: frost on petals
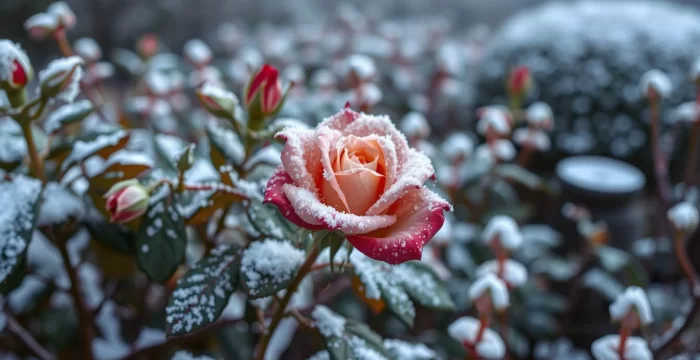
(466,330)
(492,286)
(606,348)
(356,173)
(684,217)
(633,299)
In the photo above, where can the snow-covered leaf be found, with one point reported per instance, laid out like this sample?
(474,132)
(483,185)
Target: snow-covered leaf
(268,221)
(197,207)
(347,339)
(612,259)
(17,221)
(401,350)
(67,114)
(424,285)
(602,283)
(519,174)
(268,266)
(226,146)
(161,240)
(203,293)
(101,145)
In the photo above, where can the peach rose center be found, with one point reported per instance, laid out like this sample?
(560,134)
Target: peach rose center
(359,171)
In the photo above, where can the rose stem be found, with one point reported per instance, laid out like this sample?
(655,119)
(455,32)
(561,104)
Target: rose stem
(14,326)
(660,166)
(485,320)
(683,259)
(693,150)
(35,161)
(504,331)
(624,334)
(281,308)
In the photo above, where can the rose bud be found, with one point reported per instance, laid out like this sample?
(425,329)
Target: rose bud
(15,68)
(41,25)
(264,91)
(520,81)
(218,101)
(61,78)
(64,14)
(126,200)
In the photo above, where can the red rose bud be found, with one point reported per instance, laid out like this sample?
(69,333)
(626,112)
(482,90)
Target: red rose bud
(148,45)
(126,201)
(520,81)
(264,91)
(15,68)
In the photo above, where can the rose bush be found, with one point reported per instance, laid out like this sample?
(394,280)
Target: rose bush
(356,173)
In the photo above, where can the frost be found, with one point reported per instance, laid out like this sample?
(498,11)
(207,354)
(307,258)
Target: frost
(323,79)
(41,22)
(184,355)
(57,70)
(13,147)
(514,273)
(537,139)
(84,149)
(361,351)
(466,329)
(157,82)
(496,119)
(88,49)
(55,121)
(657,81)
(457,146)
(415,125)
(16,220)
(227,142)
(505,231)
(606,348)
(328,323)
(686,112)
(684,216)
(217,92)
(499,150)
(401,350)
(63,12)
(539,115)
(362,66)
(494,287)
(9,53)
(59,204)
(197,52)
(269,263)
(635,299)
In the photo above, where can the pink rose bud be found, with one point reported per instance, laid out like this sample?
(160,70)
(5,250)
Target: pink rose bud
(15,68)
(148,45)
(126,201)
(264,89)
(41,25)
(64,14)
(520,81)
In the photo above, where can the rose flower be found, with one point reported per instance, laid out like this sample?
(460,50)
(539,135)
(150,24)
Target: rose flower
(355,173)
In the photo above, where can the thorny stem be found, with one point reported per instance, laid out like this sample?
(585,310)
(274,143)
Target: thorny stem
(14,326)
(281,308)
(85,315)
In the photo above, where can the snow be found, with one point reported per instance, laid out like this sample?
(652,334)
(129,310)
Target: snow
(169,145)
(157,82)
(328,323)
(59,205)
(39,23)
(220,95)
(184,355)
(686,112)
(268,263)
(606,348)
(16,219)
(55,121)
(504,229)
(88,49)
(362,66)
(63,12)
(197,52)
(500,150)
(268,155)
(494,287)
(9,53)
(684,216)
(598,173)
(321,355)
(634,298)
(539,115)
(4,101)
(228,142)
(361,351)
(323,78)
(537,139)
(13,147)
(656,80)
(402,350)
(450,58)
(457,146)
(465,330)
(514,273)
(496,119)
(695,70)
(84,149)
(56,73)
(414,125)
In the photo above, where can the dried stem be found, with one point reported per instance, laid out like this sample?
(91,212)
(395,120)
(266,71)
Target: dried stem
(14,326)
(279,313)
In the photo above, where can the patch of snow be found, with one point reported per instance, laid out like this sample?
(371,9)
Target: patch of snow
(505,230)
(598,173)
(16,220)
(634,298)
(88,49)
(328,322)
(656,80)
(466,329)
(54,121)
(57,70)
(489,284)
(269,262)
(606,348)
(684,216)
(197,52)
(457,146)
(514,273)
(415,125)
(402,350)
(59,204)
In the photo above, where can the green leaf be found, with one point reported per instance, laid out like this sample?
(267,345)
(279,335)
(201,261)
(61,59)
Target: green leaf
(371,339)
(102,145)
(267,220)
(185,159)
(612,259)
(115,236)
(197,207)
(67,114)
(399,303)
(226,147)
(348,339)
(338,348)
(161,241)
(20,206)
(203,293)
(269,266)
(520,175)
(602,283)
(423,285)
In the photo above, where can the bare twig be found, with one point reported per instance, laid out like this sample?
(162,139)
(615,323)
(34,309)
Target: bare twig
(14,326)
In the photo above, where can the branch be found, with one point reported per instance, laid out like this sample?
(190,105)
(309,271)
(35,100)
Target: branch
(27,338)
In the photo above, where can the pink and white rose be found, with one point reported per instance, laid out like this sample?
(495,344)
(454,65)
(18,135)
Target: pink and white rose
(356,173)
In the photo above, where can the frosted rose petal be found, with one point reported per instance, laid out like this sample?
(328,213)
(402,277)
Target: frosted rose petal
(274,195)
(301,157)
